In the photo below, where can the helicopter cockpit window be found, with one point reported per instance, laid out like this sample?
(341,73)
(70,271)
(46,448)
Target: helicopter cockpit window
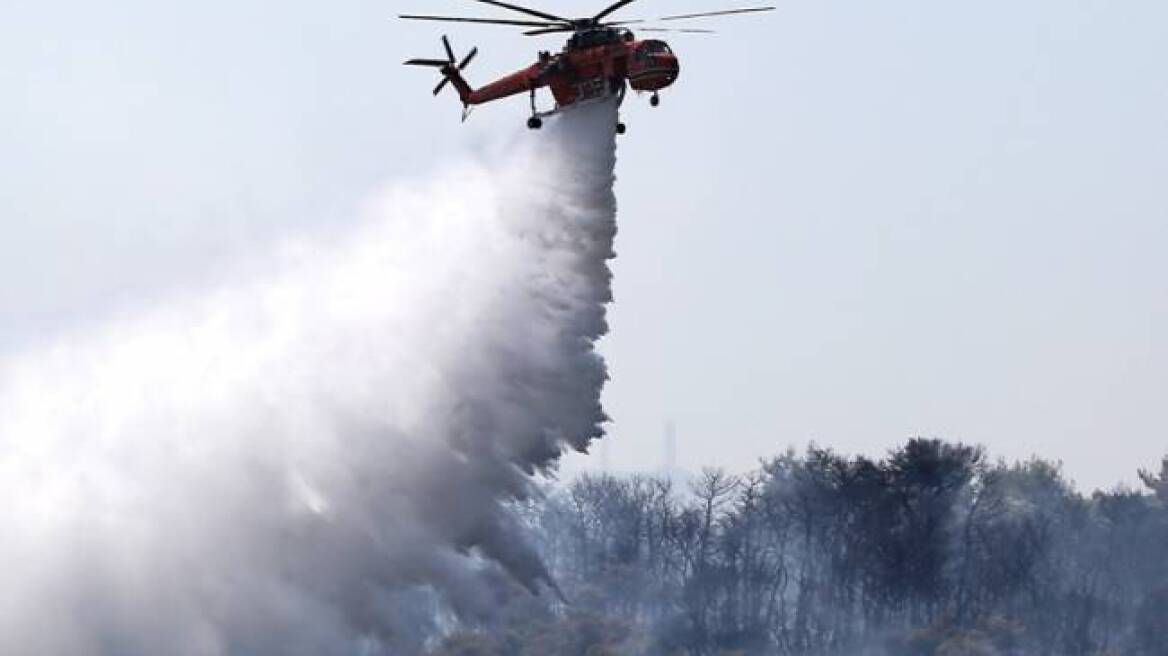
(653,47)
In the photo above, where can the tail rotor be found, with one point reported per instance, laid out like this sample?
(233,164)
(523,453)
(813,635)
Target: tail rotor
(448,66)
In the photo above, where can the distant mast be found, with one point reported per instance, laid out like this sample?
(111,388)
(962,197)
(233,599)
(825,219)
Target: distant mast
(669,450)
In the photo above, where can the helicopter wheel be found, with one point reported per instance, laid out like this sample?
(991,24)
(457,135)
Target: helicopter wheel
(534,123)
(620,128)
(654,100)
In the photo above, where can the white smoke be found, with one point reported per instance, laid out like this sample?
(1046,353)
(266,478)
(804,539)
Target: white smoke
(282,465)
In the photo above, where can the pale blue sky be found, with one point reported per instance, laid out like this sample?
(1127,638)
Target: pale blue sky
(847,222)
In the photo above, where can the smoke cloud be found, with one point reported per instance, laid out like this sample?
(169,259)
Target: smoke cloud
(318,459)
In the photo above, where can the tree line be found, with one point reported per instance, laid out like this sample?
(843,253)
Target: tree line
(933,549)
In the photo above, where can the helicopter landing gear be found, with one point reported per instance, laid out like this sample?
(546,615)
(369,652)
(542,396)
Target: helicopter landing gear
(534,122)
(654,99)
(620,128)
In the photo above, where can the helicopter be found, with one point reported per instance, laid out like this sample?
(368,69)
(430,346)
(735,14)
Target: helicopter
(600,60)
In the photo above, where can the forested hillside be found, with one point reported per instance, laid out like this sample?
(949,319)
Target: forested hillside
(934,549)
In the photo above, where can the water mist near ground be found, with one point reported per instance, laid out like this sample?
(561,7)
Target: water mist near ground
(282,464)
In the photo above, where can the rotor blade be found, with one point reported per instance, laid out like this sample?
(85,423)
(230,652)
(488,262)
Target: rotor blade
(438,63)
(666,29)
(611,8)
(656,29)
(724,12)
(488,21)
(525,10)
(449,50)
(549,30)
(469,56)
(441,85)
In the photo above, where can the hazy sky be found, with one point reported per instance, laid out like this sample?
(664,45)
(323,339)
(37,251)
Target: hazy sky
(847,222)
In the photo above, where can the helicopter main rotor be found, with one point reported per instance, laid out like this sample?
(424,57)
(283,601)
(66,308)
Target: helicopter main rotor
(551,23)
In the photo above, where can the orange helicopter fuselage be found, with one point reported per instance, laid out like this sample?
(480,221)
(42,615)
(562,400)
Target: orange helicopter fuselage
(584,70)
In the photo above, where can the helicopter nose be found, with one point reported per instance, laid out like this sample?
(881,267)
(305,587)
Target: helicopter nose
(660,72)
(672,65)
(666,62)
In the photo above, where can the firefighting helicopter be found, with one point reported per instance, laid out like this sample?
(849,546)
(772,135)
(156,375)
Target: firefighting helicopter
(596,63)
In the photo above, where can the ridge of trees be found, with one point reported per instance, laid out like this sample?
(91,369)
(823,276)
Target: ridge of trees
(931,550)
